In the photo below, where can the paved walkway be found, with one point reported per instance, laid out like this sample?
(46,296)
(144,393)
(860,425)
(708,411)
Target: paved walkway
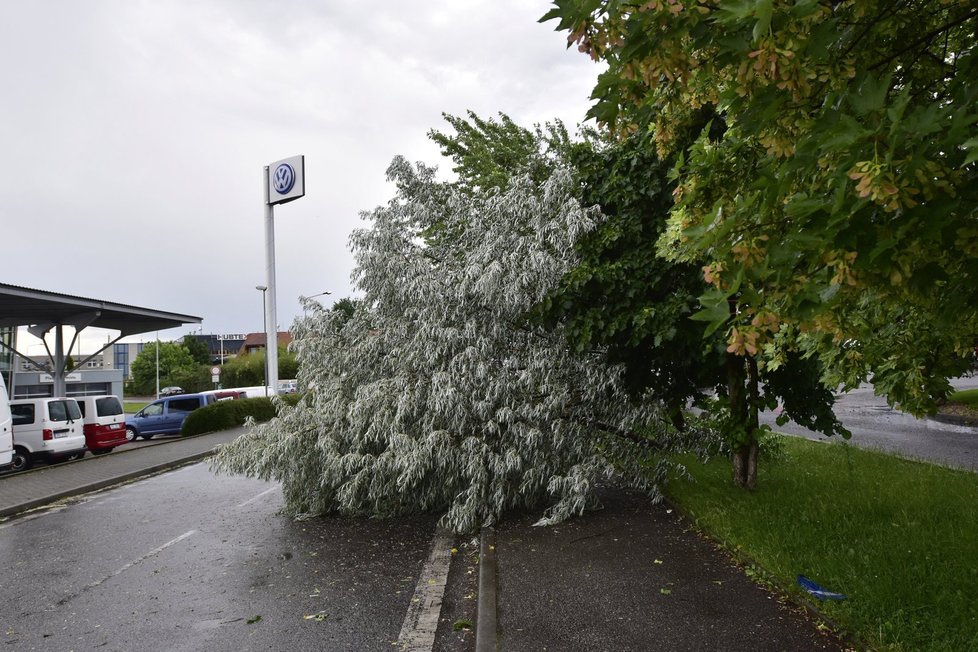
(633,576)
(45,484)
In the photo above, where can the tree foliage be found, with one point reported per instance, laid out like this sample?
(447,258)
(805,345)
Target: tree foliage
(198,349)
(623,299)
(439,393)
(248,369)
(174,359)
(829,193)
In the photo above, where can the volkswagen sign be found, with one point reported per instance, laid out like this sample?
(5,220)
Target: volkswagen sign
(286,180)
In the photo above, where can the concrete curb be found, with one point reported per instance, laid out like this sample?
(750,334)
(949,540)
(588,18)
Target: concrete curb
(486,624)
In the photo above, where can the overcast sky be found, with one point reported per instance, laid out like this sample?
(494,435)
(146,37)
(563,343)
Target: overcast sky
(134,135)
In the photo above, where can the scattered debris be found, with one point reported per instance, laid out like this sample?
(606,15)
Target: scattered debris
(817,591)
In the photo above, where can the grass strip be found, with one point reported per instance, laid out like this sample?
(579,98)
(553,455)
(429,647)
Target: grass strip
(967,397)
(900,538)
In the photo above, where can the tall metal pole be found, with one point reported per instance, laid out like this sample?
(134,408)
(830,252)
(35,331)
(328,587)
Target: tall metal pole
(60,385)
(264,327)
(271,328)
(157,364)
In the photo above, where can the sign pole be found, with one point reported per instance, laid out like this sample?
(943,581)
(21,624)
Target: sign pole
(288,180)
(271,328)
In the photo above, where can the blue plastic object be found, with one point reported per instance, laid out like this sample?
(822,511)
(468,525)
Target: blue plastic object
(817,591)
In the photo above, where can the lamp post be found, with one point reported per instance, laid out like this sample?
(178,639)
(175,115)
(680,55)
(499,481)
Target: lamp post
(157,364)
(313,297)
(264,327)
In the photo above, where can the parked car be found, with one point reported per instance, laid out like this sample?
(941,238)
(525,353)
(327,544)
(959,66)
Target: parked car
(46,429)
(171,391)
(104,422)
(6,430)
(165,416)
(225,394)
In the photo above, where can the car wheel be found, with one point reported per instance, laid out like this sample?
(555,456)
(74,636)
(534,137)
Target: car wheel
(102,451)
(21,461)
(131,434)
(75,456)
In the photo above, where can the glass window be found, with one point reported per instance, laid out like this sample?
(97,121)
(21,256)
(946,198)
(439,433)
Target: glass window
(152,410)
(184,404)
(23,414)
(73,411)
(57,411)
(108,406)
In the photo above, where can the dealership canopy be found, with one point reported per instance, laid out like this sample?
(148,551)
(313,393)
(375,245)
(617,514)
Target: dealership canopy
(42,311)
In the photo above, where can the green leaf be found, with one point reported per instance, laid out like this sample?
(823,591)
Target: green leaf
(869,93)
(972,146)
(715,310)
(802,206)
(842,134)
(763,12)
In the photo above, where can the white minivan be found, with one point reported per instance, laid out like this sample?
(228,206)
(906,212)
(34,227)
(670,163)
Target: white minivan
(47,429)
(6,431)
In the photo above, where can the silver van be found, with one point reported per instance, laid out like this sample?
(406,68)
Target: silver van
(46,429)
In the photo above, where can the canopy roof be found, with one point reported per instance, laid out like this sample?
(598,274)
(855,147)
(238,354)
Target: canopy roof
(20,306)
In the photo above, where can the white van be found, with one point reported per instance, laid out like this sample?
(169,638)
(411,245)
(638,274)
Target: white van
(6,430)
(47,429)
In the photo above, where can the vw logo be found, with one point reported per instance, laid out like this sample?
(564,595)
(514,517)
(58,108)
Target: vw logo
(283,178)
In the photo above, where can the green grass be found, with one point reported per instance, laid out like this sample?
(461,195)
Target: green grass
(899,537)
(967,397)
(132,408)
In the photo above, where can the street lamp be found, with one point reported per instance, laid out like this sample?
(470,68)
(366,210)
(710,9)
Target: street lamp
(264,327)
(303,299)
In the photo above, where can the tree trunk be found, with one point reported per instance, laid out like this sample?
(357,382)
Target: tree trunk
(741,380)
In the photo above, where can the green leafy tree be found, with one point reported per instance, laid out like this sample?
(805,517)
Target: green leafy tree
(198,349)
(624,299)
(248,370)
(825,175)
(192,379)
(173,359)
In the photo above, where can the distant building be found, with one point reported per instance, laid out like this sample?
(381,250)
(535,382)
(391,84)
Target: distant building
(256,341)
(220,346)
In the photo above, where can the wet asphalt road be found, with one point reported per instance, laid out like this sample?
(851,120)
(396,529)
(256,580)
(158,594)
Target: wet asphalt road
(876,425)
(192,561)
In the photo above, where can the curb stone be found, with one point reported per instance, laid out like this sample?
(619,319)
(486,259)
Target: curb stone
(486,626)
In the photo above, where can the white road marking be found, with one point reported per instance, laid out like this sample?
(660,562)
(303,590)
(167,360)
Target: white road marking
(253,499)
(154,551)
(421,620)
